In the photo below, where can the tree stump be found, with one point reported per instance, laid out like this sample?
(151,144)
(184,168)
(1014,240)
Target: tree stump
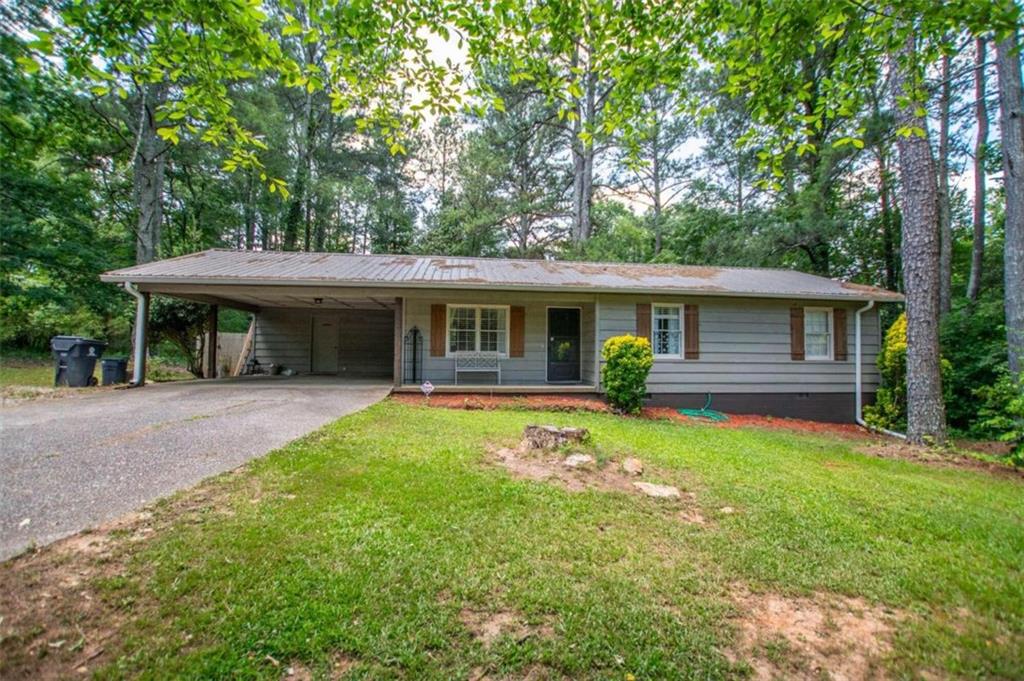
(552,437)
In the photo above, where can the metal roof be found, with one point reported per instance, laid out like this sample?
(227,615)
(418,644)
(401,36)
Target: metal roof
(255,268)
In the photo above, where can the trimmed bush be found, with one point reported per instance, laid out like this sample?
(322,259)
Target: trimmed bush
(628,361)
(890,408)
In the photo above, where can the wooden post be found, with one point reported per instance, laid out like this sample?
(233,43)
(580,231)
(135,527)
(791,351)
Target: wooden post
(211,343)
(246,348)
(399,330)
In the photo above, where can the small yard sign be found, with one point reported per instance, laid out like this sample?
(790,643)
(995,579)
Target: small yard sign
(427,388)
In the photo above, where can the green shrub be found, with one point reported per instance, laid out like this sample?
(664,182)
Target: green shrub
(890,408)
(1002,412)
(628,361)
(974,340)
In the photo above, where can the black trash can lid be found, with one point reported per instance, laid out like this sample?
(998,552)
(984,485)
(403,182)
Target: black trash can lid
(64,342)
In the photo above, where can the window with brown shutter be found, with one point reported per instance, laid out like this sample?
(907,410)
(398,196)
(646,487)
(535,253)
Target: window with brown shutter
(438,329)
(691,332)
(643,320)
(517,331)
(839,334)
(796,333)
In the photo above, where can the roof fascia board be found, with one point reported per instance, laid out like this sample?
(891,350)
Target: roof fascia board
(151,280)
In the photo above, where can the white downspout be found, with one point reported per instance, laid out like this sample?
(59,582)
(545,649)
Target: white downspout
(141,312)
(857,370)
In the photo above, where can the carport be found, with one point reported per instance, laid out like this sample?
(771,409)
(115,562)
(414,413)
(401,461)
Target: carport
(309,329)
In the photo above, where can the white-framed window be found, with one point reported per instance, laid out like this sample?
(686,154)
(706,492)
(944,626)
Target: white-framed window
(817,333)
(477,328)
(667,330)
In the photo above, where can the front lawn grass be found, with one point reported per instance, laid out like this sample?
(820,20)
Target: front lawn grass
(26,373)
(362,544)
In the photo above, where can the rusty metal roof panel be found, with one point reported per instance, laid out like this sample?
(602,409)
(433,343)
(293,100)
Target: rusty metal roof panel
(346,269)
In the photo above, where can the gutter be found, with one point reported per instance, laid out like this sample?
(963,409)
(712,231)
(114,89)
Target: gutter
(184,280)
(141,314)
(857,370)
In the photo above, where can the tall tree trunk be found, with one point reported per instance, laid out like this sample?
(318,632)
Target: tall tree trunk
(1011,125)
(250,211)
(886,217)
(945,212)
(583,156)
(656,179)
(980,142)
(297,209)
(925,409)
(739,189)
(148,175)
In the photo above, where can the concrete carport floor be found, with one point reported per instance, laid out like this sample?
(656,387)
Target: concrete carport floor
(69,464)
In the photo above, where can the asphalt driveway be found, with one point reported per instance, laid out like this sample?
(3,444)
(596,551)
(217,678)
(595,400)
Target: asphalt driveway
(68,464)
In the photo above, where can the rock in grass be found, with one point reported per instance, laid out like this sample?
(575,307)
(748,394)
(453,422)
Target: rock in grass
(658,491)
(551,437)
(633,466)
(578,460)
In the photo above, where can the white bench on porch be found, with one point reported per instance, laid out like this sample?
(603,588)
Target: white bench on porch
(478,363)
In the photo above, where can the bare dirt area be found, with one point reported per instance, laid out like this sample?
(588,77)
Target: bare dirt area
(889,449)
(487,627)
(577,470)
(56,620)
(824,636)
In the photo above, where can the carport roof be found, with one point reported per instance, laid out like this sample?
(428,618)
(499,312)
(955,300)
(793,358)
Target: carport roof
(276,268)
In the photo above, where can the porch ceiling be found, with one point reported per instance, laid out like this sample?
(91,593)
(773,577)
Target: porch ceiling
(253,299)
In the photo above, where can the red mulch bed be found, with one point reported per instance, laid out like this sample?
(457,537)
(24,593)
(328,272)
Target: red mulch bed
(596,404)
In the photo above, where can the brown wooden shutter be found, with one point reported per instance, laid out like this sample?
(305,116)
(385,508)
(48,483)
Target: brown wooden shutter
(691,332)
(796,333)
(438,329)
(839,334)
(517,331)
(643,320)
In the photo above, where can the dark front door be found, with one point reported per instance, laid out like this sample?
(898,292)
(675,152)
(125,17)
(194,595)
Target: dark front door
(563,344)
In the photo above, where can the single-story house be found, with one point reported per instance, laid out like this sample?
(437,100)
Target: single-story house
(757,340)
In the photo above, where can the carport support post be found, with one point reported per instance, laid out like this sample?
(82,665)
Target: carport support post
(211,343)
(141,333)
(399,330)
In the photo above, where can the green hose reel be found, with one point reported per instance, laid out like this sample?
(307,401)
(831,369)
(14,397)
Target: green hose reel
(705,412)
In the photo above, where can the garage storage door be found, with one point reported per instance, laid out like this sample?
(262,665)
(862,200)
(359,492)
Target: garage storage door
(358,343)
(366,343)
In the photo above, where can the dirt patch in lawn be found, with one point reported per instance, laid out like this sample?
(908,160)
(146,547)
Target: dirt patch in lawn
(550,466)
(57,621)
(63,607)
(888,449)
(487,627)
(825,636)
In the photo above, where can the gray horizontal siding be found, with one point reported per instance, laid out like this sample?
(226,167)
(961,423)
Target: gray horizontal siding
(745,348)
(530,369)
(283,338)
(365,344)
(744,343)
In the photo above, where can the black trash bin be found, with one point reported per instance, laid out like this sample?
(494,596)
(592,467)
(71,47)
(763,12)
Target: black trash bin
(75,360)
(61,346)
(114,370)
